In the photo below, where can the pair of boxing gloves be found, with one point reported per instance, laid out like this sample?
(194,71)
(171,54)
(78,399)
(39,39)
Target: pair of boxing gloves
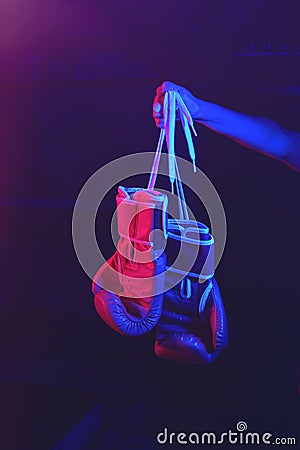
(162,276)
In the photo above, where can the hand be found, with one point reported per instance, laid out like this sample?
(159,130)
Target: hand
(192,103)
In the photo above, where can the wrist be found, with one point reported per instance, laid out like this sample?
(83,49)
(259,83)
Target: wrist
(200,106)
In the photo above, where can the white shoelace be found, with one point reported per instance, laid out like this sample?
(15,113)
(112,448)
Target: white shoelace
(173,102)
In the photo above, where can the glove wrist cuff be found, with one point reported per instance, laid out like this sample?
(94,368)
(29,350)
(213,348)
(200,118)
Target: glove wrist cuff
(190,250)
(141,213)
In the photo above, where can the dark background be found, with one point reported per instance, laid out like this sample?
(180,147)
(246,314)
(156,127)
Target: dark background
(77,82)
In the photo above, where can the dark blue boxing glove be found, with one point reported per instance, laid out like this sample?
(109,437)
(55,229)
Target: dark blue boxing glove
(193,326)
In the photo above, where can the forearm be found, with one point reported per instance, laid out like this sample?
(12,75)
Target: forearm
(256,133)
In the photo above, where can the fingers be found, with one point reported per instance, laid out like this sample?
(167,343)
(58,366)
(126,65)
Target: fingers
(158,90)
(157,109)
(160,123)
(158,115)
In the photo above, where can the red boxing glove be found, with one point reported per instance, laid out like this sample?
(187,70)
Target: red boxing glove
(127,287)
